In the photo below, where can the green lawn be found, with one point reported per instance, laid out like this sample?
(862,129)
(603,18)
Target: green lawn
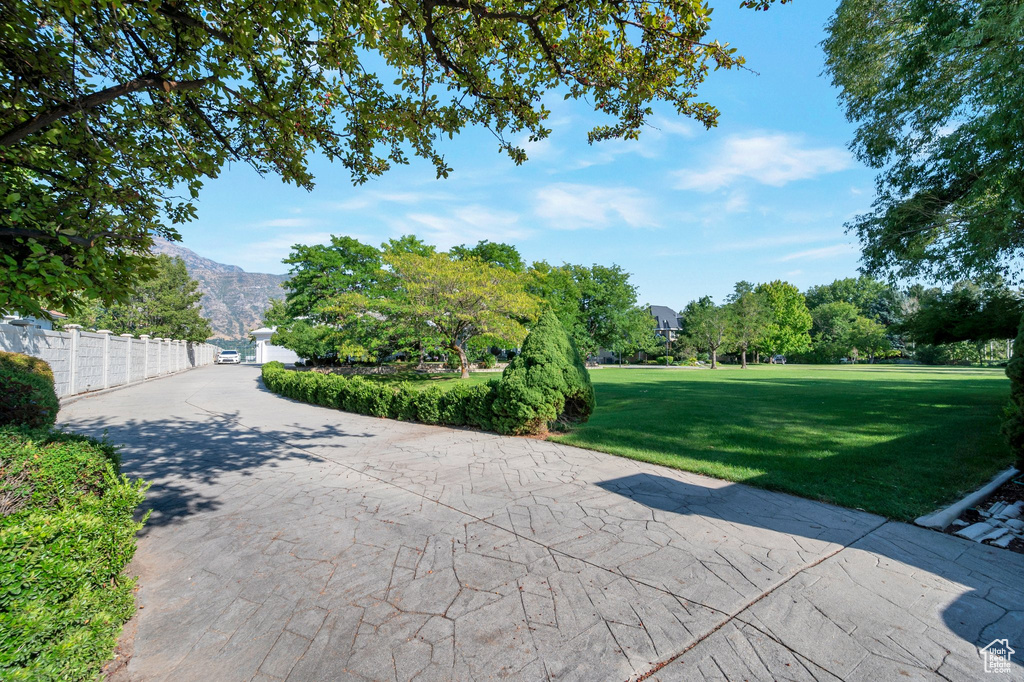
(897,441)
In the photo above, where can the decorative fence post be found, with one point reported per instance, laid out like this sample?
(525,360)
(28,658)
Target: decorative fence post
(74,330)
(106,356)
(145,355)
(127,358)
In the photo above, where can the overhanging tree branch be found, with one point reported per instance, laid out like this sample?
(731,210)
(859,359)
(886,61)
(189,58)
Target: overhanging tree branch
(46,118)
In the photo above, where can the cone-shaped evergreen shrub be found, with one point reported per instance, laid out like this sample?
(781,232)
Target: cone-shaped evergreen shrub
(547,381)
(1013,421)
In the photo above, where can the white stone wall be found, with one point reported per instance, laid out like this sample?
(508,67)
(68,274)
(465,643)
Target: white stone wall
(90,361)
(117,361)
(137,368)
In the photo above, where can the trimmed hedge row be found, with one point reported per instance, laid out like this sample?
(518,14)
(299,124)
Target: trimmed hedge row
(66,533)
(546,383)
(26,391)
(459,406)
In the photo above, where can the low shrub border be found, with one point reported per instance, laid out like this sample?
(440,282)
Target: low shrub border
(66,533)
(546,384)
(459,406)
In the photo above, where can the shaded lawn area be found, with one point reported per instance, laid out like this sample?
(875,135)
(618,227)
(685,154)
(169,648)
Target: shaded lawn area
(895,441)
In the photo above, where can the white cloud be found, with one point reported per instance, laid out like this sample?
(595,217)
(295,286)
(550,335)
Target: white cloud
(822,253)
(464,225)
(740,243)
(373,198)
(286,222)
(736,203)
(272,251)
(770,159)
(567,206)
(673,126)
(537,149)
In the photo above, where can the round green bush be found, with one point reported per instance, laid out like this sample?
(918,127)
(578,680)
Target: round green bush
(26,384)
(546,382)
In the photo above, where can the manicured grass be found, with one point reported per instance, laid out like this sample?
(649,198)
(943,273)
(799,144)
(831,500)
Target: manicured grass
(897,441)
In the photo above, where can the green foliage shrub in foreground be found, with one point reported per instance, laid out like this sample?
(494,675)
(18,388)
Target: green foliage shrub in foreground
(66,533)
(546,382)
(1013,419)
(26,388)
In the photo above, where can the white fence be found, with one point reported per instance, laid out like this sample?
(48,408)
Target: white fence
(91,361)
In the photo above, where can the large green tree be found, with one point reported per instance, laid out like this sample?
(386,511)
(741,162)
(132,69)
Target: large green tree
(967,312)
(116,111)
(789,320)
(165,306)
(634,333)
(459,299)
(748,318)
(495,253)
(320,273)
(935,90)
(597,305)
(707,325)
(872,298)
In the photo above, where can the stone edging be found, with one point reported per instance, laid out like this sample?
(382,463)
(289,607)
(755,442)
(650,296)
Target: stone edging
(941,519)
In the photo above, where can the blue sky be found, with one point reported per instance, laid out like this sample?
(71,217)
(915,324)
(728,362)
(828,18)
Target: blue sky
(688,211)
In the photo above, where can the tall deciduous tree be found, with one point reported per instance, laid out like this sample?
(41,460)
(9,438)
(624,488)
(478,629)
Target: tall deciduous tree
(165,306)
(867,337)
(113,109)
(597,305)
(321,272)
(748,318)
(831,328)
(635,333)
(707,324)
(461,299)
(789,320)
(935,89)
(495,253)
(873,299)
(967,312)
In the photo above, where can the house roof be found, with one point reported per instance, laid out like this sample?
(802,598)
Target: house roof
(665,317)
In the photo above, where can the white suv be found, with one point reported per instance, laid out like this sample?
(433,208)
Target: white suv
(228,357)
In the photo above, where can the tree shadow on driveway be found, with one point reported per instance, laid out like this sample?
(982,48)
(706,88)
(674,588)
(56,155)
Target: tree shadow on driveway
(191,462)
(869,583)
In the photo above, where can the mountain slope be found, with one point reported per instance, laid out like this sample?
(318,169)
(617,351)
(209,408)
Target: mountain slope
(233,300)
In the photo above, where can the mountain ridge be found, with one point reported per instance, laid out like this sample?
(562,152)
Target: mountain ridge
(234,301)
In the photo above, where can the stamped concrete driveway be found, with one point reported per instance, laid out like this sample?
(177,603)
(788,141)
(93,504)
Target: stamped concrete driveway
(295,542)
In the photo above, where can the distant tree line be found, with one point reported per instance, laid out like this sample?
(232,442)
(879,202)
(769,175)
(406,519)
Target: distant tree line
(348,301)
(854,319)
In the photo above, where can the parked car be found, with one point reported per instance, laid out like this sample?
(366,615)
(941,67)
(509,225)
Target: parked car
(779,359)
(228,357)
